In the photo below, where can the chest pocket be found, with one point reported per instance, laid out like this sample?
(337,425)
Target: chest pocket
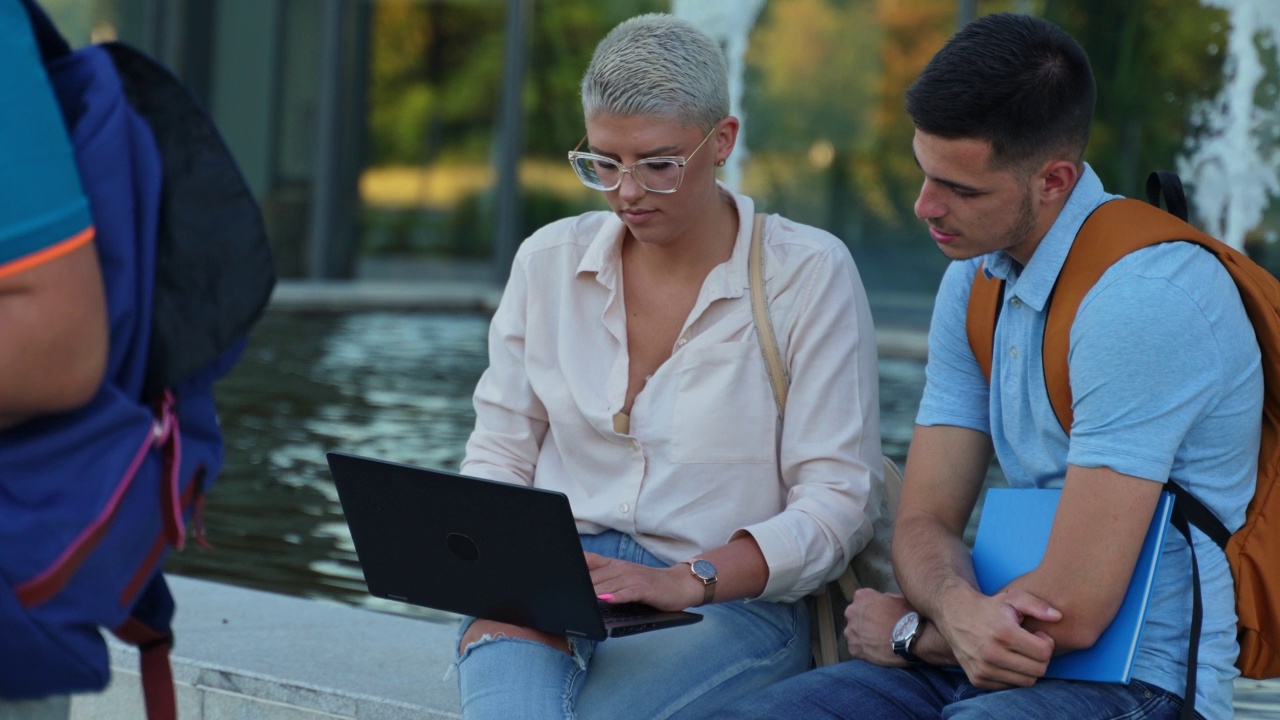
(724,412)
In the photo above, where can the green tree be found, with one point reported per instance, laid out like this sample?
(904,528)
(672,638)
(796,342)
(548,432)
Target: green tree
(1152,62)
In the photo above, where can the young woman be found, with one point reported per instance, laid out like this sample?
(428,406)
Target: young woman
(625,371)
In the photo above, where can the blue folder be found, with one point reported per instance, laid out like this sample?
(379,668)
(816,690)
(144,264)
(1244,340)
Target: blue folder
(1013,533)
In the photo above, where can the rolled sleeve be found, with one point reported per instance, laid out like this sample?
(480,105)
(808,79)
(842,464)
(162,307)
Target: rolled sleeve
(510,419)
(830,445)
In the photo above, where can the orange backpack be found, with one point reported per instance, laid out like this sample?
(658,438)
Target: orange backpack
(1114,230)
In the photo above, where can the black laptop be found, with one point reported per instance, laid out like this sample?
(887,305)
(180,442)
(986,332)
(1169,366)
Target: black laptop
(477,547)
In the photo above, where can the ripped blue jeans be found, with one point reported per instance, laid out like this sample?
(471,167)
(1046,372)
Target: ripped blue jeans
(683,672)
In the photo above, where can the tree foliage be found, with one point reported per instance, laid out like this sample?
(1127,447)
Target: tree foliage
(1152,60)
(825,123)
(436,73)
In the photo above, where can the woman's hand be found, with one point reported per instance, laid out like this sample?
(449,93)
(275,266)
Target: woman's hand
(871,617)
(619,581)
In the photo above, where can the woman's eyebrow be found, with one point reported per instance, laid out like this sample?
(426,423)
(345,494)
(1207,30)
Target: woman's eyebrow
(664,151)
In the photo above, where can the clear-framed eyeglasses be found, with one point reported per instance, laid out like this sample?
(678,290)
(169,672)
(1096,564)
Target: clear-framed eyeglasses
(656,174)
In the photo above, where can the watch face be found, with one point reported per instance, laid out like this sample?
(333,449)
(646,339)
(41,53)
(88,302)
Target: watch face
(906,627)
(704,569)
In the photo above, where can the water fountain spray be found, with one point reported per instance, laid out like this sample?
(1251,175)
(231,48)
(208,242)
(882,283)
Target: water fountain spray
(729,23)
(1234,168)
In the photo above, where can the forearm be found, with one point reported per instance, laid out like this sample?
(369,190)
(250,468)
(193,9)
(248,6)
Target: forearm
(933,566)
(740,572)
(741,569)
(1098,530)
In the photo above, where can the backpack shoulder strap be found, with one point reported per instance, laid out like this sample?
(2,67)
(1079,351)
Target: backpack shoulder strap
(1112,231)
(980,321)
(51,43)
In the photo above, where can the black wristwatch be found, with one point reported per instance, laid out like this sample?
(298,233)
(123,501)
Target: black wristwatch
(905,634)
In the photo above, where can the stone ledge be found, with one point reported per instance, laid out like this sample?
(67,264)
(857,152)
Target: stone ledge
(248,654)
(245,654)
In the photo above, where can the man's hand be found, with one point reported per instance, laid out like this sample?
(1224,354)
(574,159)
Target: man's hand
(619,581)
(988,640)
(871,617)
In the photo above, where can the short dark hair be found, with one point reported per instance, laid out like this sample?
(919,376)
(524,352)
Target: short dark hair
(1017,81)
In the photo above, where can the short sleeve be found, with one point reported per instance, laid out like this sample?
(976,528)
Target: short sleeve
(45,207)
(1144,365)
(955,391)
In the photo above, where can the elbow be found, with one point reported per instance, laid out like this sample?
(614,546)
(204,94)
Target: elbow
(1075,636)
(1077,630)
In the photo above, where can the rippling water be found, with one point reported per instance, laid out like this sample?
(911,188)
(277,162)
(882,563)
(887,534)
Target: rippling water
(391,385)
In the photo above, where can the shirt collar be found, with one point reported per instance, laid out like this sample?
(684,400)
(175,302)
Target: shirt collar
(1035,282)
(604,253)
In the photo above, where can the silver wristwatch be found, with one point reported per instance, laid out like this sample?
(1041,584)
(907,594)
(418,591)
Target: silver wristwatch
(905,634)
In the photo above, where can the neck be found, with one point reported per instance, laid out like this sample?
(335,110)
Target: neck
(703,245)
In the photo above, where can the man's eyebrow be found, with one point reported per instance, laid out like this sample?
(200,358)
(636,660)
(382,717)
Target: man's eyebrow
(958,187)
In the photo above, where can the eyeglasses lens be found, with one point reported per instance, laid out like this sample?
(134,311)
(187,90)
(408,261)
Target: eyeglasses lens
(654,175)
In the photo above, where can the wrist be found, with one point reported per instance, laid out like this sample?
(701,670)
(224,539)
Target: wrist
(702,574)
(906,635)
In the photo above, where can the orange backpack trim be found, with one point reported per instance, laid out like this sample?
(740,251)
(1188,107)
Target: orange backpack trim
(1114,230)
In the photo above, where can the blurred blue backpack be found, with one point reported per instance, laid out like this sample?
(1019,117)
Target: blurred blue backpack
(92,500)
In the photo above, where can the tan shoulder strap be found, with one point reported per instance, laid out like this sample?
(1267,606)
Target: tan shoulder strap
(1112,231)
(778,377)
(980,323)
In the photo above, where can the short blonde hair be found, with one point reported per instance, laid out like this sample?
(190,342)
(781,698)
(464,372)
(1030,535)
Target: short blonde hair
(658,65)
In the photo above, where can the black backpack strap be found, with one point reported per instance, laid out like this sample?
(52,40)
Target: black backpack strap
(1198,515)
(52,44)
(1162,184)
(1179,521)
(1188,511)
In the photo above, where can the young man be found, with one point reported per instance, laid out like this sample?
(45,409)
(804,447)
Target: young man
(1166,382)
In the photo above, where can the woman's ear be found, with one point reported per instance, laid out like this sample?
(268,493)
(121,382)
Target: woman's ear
(726,138)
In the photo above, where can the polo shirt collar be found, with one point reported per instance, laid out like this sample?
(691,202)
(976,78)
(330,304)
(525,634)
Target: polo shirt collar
(1035,282)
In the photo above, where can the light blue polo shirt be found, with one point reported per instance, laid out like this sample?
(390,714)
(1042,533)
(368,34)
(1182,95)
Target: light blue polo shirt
(41,203)
(1166,382)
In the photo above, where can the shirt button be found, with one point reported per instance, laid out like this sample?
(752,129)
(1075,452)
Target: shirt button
(682,342)
(1016,303)
(624,508)
(1013,352)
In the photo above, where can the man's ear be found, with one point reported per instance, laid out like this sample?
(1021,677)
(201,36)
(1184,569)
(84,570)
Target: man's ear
(1055,181)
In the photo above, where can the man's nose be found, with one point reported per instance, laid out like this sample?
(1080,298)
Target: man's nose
(928,206)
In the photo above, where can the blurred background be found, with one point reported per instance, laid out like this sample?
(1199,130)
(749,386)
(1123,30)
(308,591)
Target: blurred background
(376,133)
(418,141)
